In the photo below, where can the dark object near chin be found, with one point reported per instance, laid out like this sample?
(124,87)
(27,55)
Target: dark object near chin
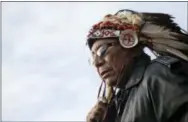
(111,113)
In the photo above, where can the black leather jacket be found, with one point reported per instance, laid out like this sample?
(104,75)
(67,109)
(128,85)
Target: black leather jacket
(157,91)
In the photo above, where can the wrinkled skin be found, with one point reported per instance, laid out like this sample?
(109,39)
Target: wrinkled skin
(111,63)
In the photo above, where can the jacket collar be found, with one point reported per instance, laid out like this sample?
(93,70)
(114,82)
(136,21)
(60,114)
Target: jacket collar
(138,71)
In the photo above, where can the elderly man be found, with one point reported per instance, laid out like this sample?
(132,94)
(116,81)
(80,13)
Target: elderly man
(141,90)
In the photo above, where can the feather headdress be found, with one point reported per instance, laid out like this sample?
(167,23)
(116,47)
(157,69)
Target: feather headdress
(156,31)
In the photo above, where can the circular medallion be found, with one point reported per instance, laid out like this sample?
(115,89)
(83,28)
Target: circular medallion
(128,39)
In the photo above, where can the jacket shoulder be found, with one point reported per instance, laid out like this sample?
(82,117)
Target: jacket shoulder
(165,81)
(165,69)
(164,64)
(166,61)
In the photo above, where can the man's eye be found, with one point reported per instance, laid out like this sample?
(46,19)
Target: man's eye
(102,50)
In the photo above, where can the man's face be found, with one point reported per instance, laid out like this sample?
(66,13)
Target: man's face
(113,57)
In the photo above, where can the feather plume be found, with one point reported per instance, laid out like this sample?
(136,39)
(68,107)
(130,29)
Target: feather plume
(171,43)
(165,36)
(161,34)
(164,49)
(161,19)
(177,53)
(182,37)
(156,31)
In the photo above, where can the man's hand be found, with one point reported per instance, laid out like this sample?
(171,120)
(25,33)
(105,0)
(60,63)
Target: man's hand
(97,113)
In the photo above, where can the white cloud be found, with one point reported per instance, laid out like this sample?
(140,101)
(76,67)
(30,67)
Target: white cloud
(46,75)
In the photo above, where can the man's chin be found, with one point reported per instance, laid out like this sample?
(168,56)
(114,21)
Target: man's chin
(110,82)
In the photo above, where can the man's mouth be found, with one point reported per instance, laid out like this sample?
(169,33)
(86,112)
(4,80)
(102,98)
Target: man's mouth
(105,74)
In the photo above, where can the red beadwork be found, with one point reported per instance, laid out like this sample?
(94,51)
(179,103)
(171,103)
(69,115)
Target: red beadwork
(115,26)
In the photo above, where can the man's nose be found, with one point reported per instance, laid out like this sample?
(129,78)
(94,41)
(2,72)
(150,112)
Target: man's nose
(98,61)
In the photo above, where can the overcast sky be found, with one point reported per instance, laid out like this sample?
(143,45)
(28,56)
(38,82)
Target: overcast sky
(45,69)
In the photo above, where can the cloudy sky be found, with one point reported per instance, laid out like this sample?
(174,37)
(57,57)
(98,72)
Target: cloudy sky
(45,69)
